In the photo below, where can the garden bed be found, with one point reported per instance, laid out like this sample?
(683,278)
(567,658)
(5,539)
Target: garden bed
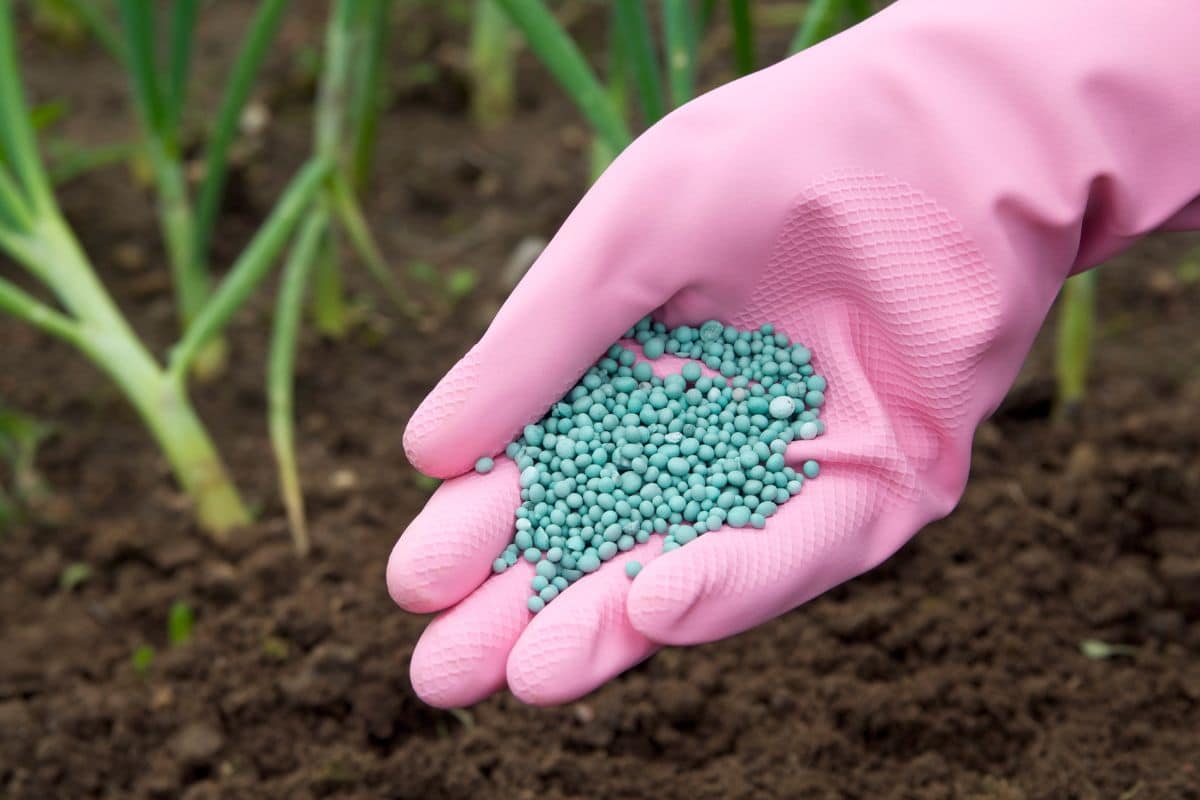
(955,670)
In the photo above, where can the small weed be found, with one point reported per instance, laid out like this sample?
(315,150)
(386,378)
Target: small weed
(74,576)
(466,718)
(445,291)
(1097,650)
(8,511)
(23,491)
(46,114)
(460,283)
(180,621)
(58,20)
(142,659)
(426,483)
(275,649)
(1189,267)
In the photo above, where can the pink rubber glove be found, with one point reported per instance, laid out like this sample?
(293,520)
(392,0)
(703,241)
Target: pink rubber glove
(906,199)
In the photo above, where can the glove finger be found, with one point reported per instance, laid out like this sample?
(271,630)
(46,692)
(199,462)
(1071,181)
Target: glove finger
(583,638)
(621,254)
(572,305)
(731,580)
(460,658)
(448,549)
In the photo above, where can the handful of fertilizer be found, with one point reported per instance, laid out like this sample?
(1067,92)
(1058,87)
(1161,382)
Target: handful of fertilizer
(628,454)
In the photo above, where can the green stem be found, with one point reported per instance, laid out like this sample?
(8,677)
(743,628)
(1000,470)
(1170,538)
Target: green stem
(369,99)
(18,145)
(333,98)
(1076,334)
(69,160)
(333,94)
(13,204)
(97,329)
(106,34)
(32,311)
(743,36)
(182,35)
(190,279)
(859,9)
(164,406)
(679,32)
(251,266)
(602,153)
(216,156)
(492,66)
(820,22)
(329,302)
(24,248)
(51,252)
(106,338)
(354,222)
(137,18)
(281,370)
(558,52)
(634,29)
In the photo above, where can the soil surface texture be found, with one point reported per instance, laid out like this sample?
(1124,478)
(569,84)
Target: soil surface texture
(954,671)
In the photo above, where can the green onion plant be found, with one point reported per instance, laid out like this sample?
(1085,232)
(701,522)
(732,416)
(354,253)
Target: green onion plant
(61,294)
(551,43)
(636,40)
(743,36)
(349,100)
(491,66)
(1076,335)
(22,489)
(824,18)
(370,96)
(159,81)
(603,151)
(635,61)
(681,46)
(348,107)
(351,95)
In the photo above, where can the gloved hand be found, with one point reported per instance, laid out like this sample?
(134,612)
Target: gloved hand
(906,199)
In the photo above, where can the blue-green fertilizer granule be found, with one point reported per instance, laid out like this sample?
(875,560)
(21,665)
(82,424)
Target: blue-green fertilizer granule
(627,454)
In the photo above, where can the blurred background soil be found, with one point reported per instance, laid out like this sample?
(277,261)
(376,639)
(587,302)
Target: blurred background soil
(954,671)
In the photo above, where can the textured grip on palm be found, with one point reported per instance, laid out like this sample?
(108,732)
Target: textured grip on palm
(899,307)
(862,270)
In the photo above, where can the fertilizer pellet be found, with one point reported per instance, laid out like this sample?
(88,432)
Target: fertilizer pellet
(627,454)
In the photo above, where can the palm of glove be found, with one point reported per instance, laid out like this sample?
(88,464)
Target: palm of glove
(897,307)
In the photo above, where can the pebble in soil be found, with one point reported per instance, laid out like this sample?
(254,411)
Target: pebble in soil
(628,454)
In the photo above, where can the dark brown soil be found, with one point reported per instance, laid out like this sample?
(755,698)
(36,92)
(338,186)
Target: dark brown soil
(955,671)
